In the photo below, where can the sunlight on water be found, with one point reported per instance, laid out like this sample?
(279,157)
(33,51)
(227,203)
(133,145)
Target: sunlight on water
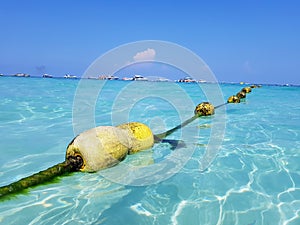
(254,180)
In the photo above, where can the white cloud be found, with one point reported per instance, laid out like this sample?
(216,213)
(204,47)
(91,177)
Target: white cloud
(148,54)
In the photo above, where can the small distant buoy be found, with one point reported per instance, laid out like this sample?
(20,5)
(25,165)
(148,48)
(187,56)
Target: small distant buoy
(204,109)
(241,95)
(255,86)
(247,89)
(233,99)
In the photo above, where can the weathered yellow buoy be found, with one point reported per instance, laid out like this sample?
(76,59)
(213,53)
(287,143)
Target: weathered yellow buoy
(247,89)
(233,99)
(106,146)
(140,135)
(90,151)
(204,109)
(241,95)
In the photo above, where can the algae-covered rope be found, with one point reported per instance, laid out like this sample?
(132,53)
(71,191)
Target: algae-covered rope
(72,164)
(202,109)
(159,137)
(206,109)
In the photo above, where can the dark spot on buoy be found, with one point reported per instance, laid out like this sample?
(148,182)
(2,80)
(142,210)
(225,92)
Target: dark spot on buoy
(75,161)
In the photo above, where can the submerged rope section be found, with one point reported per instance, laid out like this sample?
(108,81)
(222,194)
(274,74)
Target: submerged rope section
(115,147)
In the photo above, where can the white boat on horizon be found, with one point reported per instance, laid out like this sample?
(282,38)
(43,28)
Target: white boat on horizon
(139,78)
(187,80)
(107,77)
(127,78)
(21,75)
(47,75)
(112,77)
(68,76)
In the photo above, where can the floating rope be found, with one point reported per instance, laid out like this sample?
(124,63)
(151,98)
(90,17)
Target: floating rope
(206,109)
(202,109)
(106,146)
(72,164)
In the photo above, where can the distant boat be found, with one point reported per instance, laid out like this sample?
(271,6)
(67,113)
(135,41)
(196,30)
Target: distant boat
(112,77)
(22,75)
(139,78)
(187,80)
(108,77)
(70,76)
(47,75)
(1,74)
(127,78)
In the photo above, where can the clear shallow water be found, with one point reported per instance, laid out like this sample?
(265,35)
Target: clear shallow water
(255,178)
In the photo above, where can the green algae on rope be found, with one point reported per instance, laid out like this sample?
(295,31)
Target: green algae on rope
(70,165)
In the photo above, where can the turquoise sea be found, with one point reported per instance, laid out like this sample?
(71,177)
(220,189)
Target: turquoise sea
(250,177)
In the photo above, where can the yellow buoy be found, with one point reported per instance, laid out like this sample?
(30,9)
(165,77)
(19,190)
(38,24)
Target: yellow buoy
(204,109)
(141,136)
(247,89)
(106,146)
(234,99)
(241,95)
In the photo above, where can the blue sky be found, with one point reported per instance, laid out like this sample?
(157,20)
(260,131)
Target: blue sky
(254,41)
